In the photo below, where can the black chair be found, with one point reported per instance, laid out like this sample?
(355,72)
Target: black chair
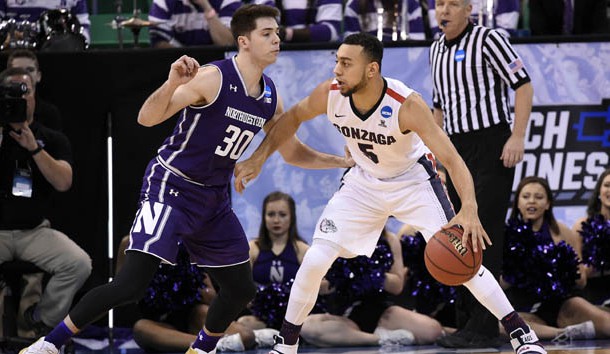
(10,276)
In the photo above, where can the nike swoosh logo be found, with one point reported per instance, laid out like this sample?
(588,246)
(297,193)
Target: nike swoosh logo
(339,115)
(482,272)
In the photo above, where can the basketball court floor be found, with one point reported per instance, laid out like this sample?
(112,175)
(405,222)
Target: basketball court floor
(576,347)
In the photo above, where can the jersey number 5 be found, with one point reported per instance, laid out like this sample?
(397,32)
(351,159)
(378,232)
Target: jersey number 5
(367,149)
(236,142)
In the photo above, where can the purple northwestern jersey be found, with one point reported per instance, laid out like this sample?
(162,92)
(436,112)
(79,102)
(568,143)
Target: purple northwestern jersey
(208,140)
(272,268)
(185,189)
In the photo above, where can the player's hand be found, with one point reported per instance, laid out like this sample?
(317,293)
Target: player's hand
(348,159)
(183,70)
(513,150)
(474,233)
(245,172)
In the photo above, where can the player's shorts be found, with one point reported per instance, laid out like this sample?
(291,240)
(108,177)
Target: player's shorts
(358,211)
(366,313)
(547,310)
(596,291)
(174,210)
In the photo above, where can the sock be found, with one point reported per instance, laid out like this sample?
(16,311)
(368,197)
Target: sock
(290,333)
(513,321)
(59,335)
(205,342)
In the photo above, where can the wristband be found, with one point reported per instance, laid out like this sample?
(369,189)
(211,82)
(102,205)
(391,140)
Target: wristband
(210,14)
(35,151)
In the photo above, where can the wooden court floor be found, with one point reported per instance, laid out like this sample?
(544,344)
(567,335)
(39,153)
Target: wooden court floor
(576,347)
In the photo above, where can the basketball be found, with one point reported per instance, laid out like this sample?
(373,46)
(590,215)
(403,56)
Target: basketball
(450,261)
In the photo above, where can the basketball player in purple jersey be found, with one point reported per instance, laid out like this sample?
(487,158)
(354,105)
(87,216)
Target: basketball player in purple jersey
(185,191)
(393,139)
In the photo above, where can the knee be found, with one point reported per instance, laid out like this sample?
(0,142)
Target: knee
(78,266)
(82,266)
(311,327)
(142,333)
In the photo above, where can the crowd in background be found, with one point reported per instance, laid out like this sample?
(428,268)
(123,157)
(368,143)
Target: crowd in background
(57,25)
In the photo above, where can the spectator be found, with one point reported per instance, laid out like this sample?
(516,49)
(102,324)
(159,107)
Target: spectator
(503,17)
(275,255)
(278,250)
(308,20)
(557,17)
(542,268)
(45,112)
(361,16)
(595,232)
(35,161)
(184,23)
(33,10)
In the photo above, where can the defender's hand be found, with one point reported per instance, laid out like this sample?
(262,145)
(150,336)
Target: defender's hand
(245,172)
(348,159)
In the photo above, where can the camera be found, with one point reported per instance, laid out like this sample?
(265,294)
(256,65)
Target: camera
(13,108)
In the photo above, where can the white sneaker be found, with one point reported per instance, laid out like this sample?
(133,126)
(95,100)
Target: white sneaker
(526,343)
(280,348)
(394,337)
(265,337)
(230,343)
(584,330)
(40,347)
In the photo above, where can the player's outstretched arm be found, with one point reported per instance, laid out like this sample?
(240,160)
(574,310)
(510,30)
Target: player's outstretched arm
(415,115)
(280,130)
(296,153)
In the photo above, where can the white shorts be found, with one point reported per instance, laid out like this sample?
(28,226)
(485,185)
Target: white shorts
(357,213)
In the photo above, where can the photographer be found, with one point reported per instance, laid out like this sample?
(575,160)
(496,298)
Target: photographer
(35,161)
(45,112)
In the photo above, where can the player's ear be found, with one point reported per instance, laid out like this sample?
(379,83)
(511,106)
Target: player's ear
(242,41)
(372,68)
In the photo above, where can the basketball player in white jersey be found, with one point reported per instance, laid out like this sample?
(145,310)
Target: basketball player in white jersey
(391,135)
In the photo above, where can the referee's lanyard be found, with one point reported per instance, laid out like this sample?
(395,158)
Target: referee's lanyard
(22,180)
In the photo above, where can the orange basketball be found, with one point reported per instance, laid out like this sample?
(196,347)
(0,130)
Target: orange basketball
(450,261)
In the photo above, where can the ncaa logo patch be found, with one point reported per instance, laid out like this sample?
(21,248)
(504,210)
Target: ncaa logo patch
(460,55)
(386,111)
(267,92)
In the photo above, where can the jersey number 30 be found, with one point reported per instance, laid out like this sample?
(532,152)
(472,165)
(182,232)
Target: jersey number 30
(236,142)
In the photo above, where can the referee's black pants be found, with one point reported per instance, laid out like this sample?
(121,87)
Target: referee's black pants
(481,150)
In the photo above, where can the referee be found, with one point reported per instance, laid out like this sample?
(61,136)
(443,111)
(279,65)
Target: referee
(472,69)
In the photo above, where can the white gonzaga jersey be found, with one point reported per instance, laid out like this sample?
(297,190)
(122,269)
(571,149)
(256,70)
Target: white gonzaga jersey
(374,139)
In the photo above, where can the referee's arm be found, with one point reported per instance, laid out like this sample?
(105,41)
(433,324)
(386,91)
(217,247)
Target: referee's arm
(513,150)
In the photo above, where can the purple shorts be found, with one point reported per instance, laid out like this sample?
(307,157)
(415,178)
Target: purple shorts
(174,210)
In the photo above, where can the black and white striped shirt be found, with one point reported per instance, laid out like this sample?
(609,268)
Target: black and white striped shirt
(471,75)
